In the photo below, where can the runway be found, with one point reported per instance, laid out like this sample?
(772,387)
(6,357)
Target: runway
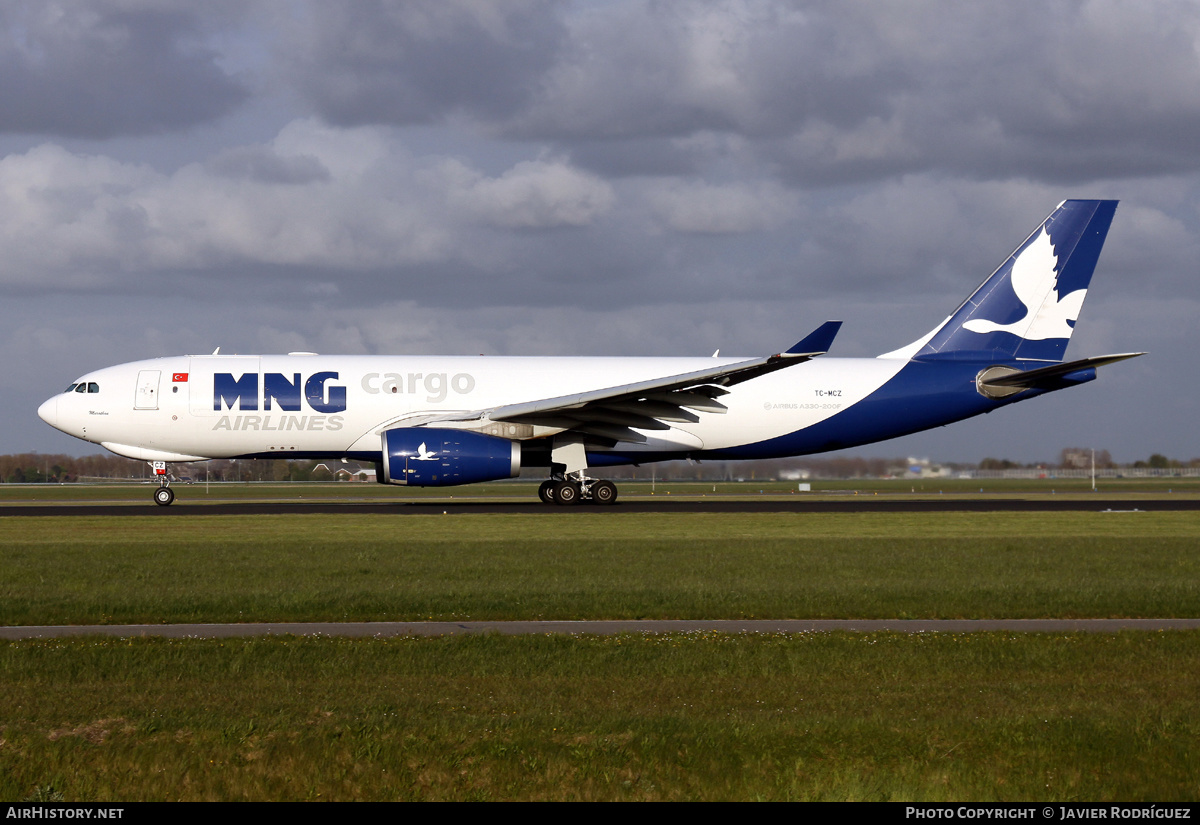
(767,504)
(598,628)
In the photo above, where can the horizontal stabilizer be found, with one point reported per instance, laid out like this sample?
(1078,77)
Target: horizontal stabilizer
(1032,378)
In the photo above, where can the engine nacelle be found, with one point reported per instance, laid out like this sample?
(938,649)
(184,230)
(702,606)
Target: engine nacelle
(431,457)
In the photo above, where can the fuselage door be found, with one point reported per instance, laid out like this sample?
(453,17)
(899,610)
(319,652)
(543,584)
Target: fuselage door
(146,397)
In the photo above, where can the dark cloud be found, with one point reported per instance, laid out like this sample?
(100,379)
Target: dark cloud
(828,92)
(421,61)
(92,70)
(632,156)
(673,70)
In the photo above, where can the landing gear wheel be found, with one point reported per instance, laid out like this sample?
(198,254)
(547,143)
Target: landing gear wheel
(604,492)
(546,492)
(566,492)
(163,496)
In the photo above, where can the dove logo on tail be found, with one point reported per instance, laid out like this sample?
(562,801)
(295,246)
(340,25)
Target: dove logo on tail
(570,416)
(1034,280)
(1029,306)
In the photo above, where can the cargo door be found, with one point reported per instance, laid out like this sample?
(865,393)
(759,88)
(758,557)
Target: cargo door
(146,397)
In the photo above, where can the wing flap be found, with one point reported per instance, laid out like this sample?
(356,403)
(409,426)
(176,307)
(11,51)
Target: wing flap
(659,410)
(626,419)
(694,399)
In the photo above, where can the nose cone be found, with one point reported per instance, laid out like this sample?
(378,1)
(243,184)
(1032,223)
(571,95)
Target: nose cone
(48,412)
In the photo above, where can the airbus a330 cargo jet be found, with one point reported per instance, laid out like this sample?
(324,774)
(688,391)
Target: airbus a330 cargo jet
(441,421)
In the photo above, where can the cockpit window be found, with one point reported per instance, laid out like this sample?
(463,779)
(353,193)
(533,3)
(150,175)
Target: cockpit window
(93,386)
(71,388)
(81,387)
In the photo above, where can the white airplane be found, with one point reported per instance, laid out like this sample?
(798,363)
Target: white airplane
(440,421)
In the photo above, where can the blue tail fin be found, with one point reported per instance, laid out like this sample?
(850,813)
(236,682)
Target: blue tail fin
(1028,307)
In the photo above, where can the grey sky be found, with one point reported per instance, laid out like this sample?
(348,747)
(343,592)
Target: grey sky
(593,178)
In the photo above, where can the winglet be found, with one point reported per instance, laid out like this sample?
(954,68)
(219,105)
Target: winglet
(818,341)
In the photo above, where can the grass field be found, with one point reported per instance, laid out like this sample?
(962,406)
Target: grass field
(584,565)
(683,716)
(679,717)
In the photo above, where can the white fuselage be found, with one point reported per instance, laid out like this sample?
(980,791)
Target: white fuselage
(191,407)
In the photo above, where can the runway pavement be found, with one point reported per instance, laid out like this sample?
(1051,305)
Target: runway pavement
(519,628)
(766,504)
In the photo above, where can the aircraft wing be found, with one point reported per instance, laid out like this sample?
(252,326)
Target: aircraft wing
(613,414)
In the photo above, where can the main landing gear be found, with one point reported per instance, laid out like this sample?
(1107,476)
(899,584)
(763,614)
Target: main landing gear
(577,489)
(163,496)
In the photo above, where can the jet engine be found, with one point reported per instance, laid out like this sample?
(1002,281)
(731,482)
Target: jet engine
(432,457)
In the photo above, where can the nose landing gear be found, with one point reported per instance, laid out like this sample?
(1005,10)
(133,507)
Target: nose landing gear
(163,496)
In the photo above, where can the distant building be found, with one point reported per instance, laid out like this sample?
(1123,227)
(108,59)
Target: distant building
(348,472)
(1077,458)
(923,468)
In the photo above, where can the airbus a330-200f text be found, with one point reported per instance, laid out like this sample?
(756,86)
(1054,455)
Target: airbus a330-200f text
(441,421)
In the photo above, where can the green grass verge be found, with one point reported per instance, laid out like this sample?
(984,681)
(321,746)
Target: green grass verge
(679,717)
(683,716)
(584,565)
(199,493)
